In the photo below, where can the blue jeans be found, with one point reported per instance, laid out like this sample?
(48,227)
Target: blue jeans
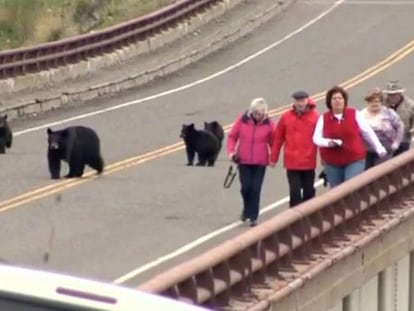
(251,180)
(338,174)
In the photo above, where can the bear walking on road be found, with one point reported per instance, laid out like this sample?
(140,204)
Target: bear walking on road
(6,135)
(78,146)
(202,142)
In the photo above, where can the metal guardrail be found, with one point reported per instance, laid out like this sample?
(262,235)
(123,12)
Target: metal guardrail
(46,56)
(261,264)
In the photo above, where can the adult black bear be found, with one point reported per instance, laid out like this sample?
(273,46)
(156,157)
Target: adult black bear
(6,135)
(78,146)
(202,142)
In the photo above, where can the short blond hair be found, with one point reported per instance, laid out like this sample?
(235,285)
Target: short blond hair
(256,103)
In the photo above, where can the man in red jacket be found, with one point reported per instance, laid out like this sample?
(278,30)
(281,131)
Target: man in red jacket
(295,130)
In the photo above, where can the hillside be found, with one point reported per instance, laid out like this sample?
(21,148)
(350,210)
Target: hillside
(29,22)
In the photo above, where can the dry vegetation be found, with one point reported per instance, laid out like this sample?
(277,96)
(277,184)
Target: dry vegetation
(29,22)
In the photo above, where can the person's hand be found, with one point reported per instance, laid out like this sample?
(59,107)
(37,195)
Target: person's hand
(272,164)
(233,157)
(382,153)
(331,143)
(334,143)
(411,131)
(395,146)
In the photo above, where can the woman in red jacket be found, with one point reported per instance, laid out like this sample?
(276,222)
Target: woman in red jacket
(340,133)
(294,130)
(248,144)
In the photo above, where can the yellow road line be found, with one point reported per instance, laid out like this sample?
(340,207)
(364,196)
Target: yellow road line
(140,159)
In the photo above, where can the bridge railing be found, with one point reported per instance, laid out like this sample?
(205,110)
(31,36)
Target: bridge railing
(46,56)
(260,257)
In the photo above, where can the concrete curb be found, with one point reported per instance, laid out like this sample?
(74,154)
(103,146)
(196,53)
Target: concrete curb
(49,79)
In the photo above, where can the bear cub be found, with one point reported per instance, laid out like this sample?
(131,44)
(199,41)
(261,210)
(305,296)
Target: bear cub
(78,146)
(202,142)
(215,128)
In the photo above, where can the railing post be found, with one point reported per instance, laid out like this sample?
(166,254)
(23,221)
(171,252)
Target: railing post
(411,283)
(385,289)
(350,302)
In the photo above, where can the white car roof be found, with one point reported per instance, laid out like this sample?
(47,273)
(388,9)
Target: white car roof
(33,285)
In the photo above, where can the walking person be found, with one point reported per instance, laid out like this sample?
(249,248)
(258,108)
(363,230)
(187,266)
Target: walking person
(294,132)
(340,133)
(404,107)
(386,124)
(248,144)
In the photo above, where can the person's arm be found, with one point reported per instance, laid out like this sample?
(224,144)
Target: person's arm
(369,135)
(398,126)
(318,138)
(232,138)
(411,126)
(278,139)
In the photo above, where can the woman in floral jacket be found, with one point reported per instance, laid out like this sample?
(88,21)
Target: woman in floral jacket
(386,124)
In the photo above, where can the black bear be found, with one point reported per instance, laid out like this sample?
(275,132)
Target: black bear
(6,135)
(78,146)
(215,128)
(202,142)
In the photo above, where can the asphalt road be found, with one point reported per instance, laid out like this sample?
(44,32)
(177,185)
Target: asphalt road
(152,204)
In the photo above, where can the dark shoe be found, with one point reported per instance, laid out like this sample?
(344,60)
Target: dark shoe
(253,223)
(322,176)
(243,217)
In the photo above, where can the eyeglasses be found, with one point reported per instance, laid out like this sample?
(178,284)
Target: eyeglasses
(258,113)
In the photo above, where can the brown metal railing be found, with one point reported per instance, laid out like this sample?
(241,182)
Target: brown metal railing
(263,257)
(72,50)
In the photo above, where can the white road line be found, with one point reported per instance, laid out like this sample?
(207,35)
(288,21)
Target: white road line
(198,242)
(186,86)
(385,2)
(364,2)
(266,209)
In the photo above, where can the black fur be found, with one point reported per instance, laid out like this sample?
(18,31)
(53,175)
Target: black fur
(322,176)
(78,146)
(6,134)
(202,142)
(215,128)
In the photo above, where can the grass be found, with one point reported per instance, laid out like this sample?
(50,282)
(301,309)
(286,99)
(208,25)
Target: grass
(30,22)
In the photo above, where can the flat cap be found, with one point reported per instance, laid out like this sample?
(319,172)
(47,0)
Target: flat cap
(300,95)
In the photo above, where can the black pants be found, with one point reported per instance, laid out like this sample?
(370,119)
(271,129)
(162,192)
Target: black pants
(301,186)
(371,159)
(404,146)
(251,180)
